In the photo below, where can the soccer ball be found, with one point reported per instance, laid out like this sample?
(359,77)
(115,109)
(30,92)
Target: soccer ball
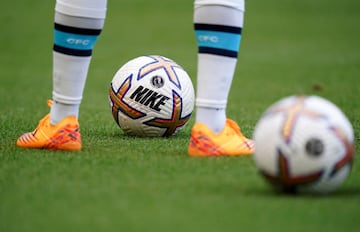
(151,96)
(304,144)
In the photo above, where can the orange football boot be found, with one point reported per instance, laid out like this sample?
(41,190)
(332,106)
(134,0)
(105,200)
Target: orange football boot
(229,142)
(63,136)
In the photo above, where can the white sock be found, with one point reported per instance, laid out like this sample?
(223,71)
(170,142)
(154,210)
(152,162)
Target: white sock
(77,27)
(218,32)
(213,118)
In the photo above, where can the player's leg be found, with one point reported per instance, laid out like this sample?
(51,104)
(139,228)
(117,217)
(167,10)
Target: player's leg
(218,26)
(78,24)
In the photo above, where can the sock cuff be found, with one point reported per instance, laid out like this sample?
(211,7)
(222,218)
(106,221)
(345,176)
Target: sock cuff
(66,99)
(237,4)
(211,103)
(82,8)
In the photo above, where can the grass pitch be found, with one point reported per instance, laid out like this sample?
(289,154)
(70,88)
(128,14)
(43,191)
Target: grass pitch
(124,184)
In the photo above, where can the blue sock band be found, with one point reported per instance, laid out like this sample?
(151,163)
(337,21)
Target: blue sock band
(218,39)
(75,41)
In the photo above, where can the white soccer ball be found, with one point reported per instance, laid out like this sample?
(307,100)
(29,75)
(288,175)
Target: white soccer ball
(304,144)
(151,96)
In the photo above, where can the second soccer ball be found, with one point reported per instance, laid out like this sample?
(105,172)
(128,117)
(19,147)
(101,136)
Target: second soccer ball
(304,144)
